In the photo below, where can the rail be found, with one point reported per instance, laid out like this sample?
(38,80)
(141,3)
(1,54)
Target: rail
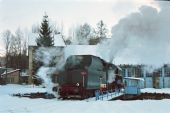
(106,95)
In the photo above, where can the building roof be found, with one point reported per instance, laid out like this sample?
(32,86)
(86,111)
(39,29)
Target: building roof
(8,72)
(58,40)
(134,78)
(85,50)
(80,50)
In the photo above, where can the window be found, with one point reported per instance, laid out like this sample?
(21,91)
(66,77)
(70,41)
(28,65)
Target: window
(167,72)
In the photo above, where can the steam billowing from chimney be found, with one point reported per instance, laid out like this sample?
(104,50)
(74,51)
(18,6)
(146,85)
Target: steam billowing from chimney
(142,38)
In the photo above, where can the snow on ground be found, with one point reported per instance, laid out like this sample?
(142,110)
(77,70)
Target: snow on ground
(9,104)
(152,90)
(24,105)
(14,88)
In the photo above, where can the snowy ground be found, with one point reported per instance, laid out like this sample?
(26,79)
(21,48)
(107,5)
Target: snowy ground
(14,88)
(9,104)
(152,90)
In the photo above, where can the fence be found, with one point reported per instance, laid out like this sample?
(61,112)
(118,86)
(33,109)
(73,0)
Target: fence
(101,95)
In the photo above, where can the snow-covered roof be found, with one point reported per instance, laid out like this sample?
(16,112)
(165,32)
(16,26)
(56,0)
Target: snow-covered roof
(8,72)
(58,40)
(80,50)
(94,50)
(119,67)
(134,78)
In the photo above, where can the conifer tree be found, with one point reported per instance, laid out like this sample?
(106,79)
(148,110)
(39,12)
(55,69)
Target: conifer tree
(45,38)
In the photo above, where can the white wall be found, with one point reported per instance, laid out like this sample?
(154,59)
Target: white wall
(148,82)
(167,82)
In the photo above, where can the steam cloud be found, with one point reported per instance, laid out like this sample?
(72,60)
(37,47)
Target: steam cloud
(142,37)
(53,61)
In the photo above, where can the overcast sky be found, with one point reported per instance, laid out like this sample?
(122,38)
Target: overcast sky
(25,13)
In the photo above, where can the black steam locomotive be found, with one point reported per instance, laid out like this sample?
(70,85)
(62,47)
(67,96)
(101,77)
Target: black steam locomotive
(84,74)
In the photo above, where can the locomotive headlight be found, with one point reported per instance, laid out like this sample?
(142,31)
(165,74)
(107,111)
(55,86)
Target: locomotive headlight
(77,84)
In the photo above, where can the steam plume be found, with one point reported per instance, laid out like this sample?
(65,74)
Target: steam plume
(142,37)
(53,61)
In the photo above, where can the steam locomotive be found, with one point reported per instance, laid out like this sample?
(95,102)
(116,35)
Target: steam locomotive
(84,74)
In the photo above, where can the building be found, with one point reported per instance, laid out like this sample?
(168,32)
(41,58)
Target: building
(10,76)
(24,78)
(133,85)
(132,70)
(67,51)
(58,44)
(153,77)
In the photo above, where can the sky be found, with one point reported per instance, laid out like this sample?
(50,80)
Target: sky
(69,13)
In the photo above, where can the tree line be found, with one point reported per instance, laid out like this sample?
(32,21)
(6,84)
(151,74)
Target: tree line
(16,49)
(16,44)
(83,34)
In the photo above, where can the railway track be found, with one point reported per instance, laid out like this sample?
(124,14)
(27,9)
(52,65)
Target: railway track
(144,96)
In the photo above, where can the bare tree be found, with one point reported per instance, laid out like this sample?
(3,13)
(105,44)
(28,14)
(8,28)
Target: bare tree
(16,49)
(24,58)
(18,39)
(7,41)
(13,52)
(82,34)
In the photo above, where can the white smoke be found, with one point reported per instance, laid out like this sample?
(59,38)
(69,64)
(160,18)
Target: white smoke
(45,74)
(142,38)
(48,55)
(53,61)
(111,76)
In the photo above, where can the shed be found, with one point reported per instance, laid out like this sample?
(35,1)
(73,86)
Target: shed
(133,85)
(11,76)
